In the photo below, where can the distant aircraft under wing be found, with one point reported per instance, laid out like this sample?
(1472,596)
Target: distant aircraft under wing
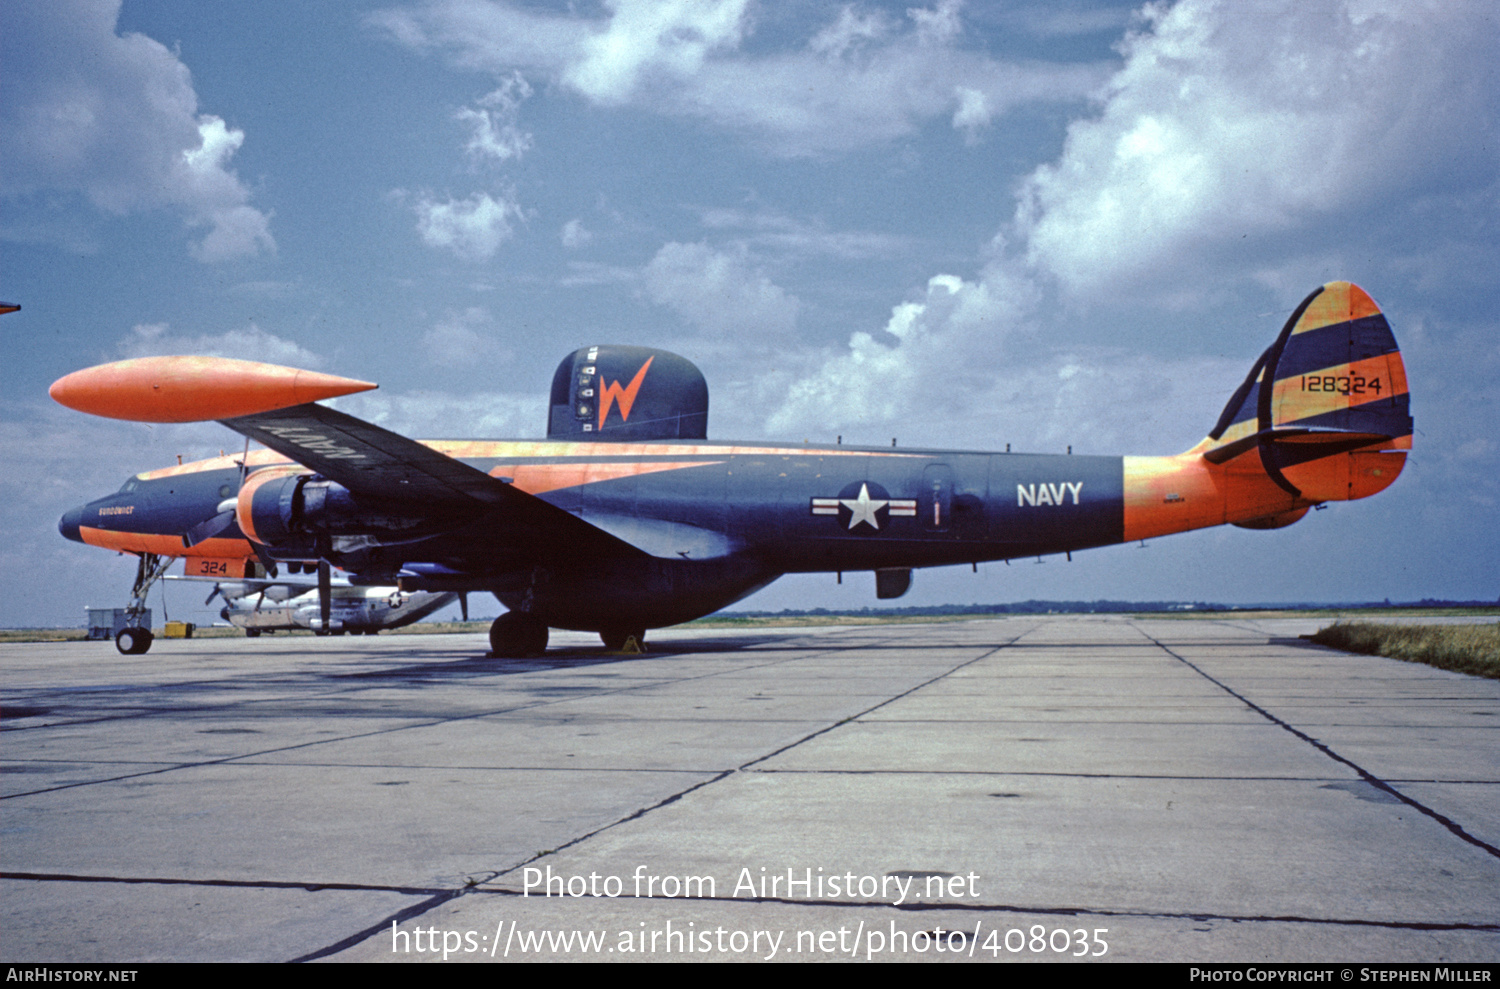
(271,606)
(627,518)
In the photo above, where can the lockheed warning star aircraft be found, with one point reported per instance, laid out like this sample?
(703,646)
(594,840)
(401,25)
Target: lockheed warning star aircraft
(627,518)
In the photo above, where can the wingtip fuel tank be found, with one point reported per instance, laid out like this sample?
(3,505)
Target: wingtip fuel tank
(194,389)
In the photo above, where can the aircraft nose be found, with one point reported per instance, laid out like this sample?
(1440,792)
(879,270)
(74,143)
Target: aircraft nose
(69,524)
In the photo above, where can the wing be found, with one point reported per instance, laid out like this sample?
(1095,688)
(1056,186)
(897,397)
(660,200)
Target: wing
(373,461)
(379,464)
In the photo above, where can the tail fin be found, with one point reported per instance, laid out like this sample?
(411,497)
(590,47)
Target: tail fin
(1333,383)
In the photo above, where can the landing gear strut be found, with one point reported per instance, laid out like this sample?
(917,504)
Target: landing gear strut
(135,639)
(515,635)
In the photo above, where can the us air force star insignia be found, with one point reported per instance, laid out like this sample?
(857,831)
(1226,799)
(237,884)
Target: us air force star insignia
(863,508)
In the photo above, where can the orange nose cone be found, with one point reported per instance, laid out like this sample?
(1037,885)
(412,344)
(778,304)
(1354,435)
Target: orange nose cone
(193,389)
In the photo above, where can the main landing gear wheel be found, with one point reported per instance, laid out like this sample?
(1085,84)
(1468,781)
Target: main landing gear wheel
(616,639)
(133,641)
(515,635)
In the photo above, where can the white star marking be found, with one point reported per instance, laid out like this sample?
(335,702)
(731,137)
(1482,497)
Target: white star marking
(863,508)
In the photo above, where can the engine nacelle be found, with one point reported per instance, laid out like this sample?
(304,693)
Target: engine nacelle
(268,508)
(290,509)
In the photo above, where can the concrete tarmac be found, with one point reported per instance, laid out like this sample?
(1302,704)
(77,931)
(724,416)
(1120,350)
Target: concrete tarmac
(1055,788)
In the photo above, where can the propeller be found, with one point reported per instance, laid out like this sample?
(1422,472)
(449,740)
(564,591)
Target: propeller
(213,526)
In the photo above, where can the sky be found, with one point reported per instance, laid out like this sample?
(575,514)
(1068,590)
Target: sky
(959,225)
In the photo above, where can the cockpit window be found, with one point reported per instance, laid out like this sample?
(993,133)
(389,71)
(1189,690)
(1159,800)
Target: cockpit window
(130,485)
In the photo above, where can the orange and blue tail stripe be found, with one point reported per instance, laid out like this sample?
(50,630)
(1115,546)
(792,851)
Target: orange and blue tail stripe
(1335,367)
(1337,384)
(1323,415)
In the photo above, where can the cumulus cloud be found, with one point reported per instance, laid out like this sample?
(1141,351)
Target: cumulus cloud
(852,30)
(935,353)
(863,78)
(943,374)
(644,36)
(720,293)
(115,118)
(605,58)
(475,227)
(472,228)
(1229,123)
(493,133)
(250,343)
(1237,148)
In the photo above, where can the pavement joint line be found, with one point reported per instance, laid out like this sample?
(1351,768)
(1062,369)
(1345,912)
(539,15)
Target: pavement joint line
(641,812)
(399,917)
(436,896)
(890,700)
(1085,776)
(1453,826)
(1015,908)
(311,887)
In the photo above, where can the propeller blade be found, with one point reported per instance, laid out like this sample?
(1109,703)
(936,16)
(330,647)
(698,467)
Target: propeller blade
(463,604)
(213,594)
(208,529)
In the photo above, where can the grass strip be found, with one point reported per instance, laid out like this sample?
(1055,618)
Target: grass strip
(1472,649)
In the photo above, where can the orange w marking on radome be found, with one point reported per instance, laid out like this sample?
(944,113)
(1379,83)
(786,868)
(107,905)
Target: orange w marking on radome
(612,392)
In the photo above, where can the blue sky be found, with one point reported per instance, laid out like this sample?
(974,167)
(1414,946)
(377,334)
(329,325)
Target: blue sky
(963,225)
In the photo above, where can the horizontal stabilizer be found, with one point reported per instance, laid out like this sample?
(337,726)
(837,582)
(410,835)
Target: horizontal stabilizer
(1297,443)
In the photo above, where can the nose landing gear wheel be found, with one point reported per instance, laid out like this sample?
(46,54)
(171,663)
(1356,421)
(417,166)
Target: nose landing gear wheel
(515,635)
(133,641)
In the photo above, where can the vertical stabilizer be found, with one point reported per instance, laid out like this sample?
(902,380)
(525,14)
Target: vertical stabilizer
(1326,406)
